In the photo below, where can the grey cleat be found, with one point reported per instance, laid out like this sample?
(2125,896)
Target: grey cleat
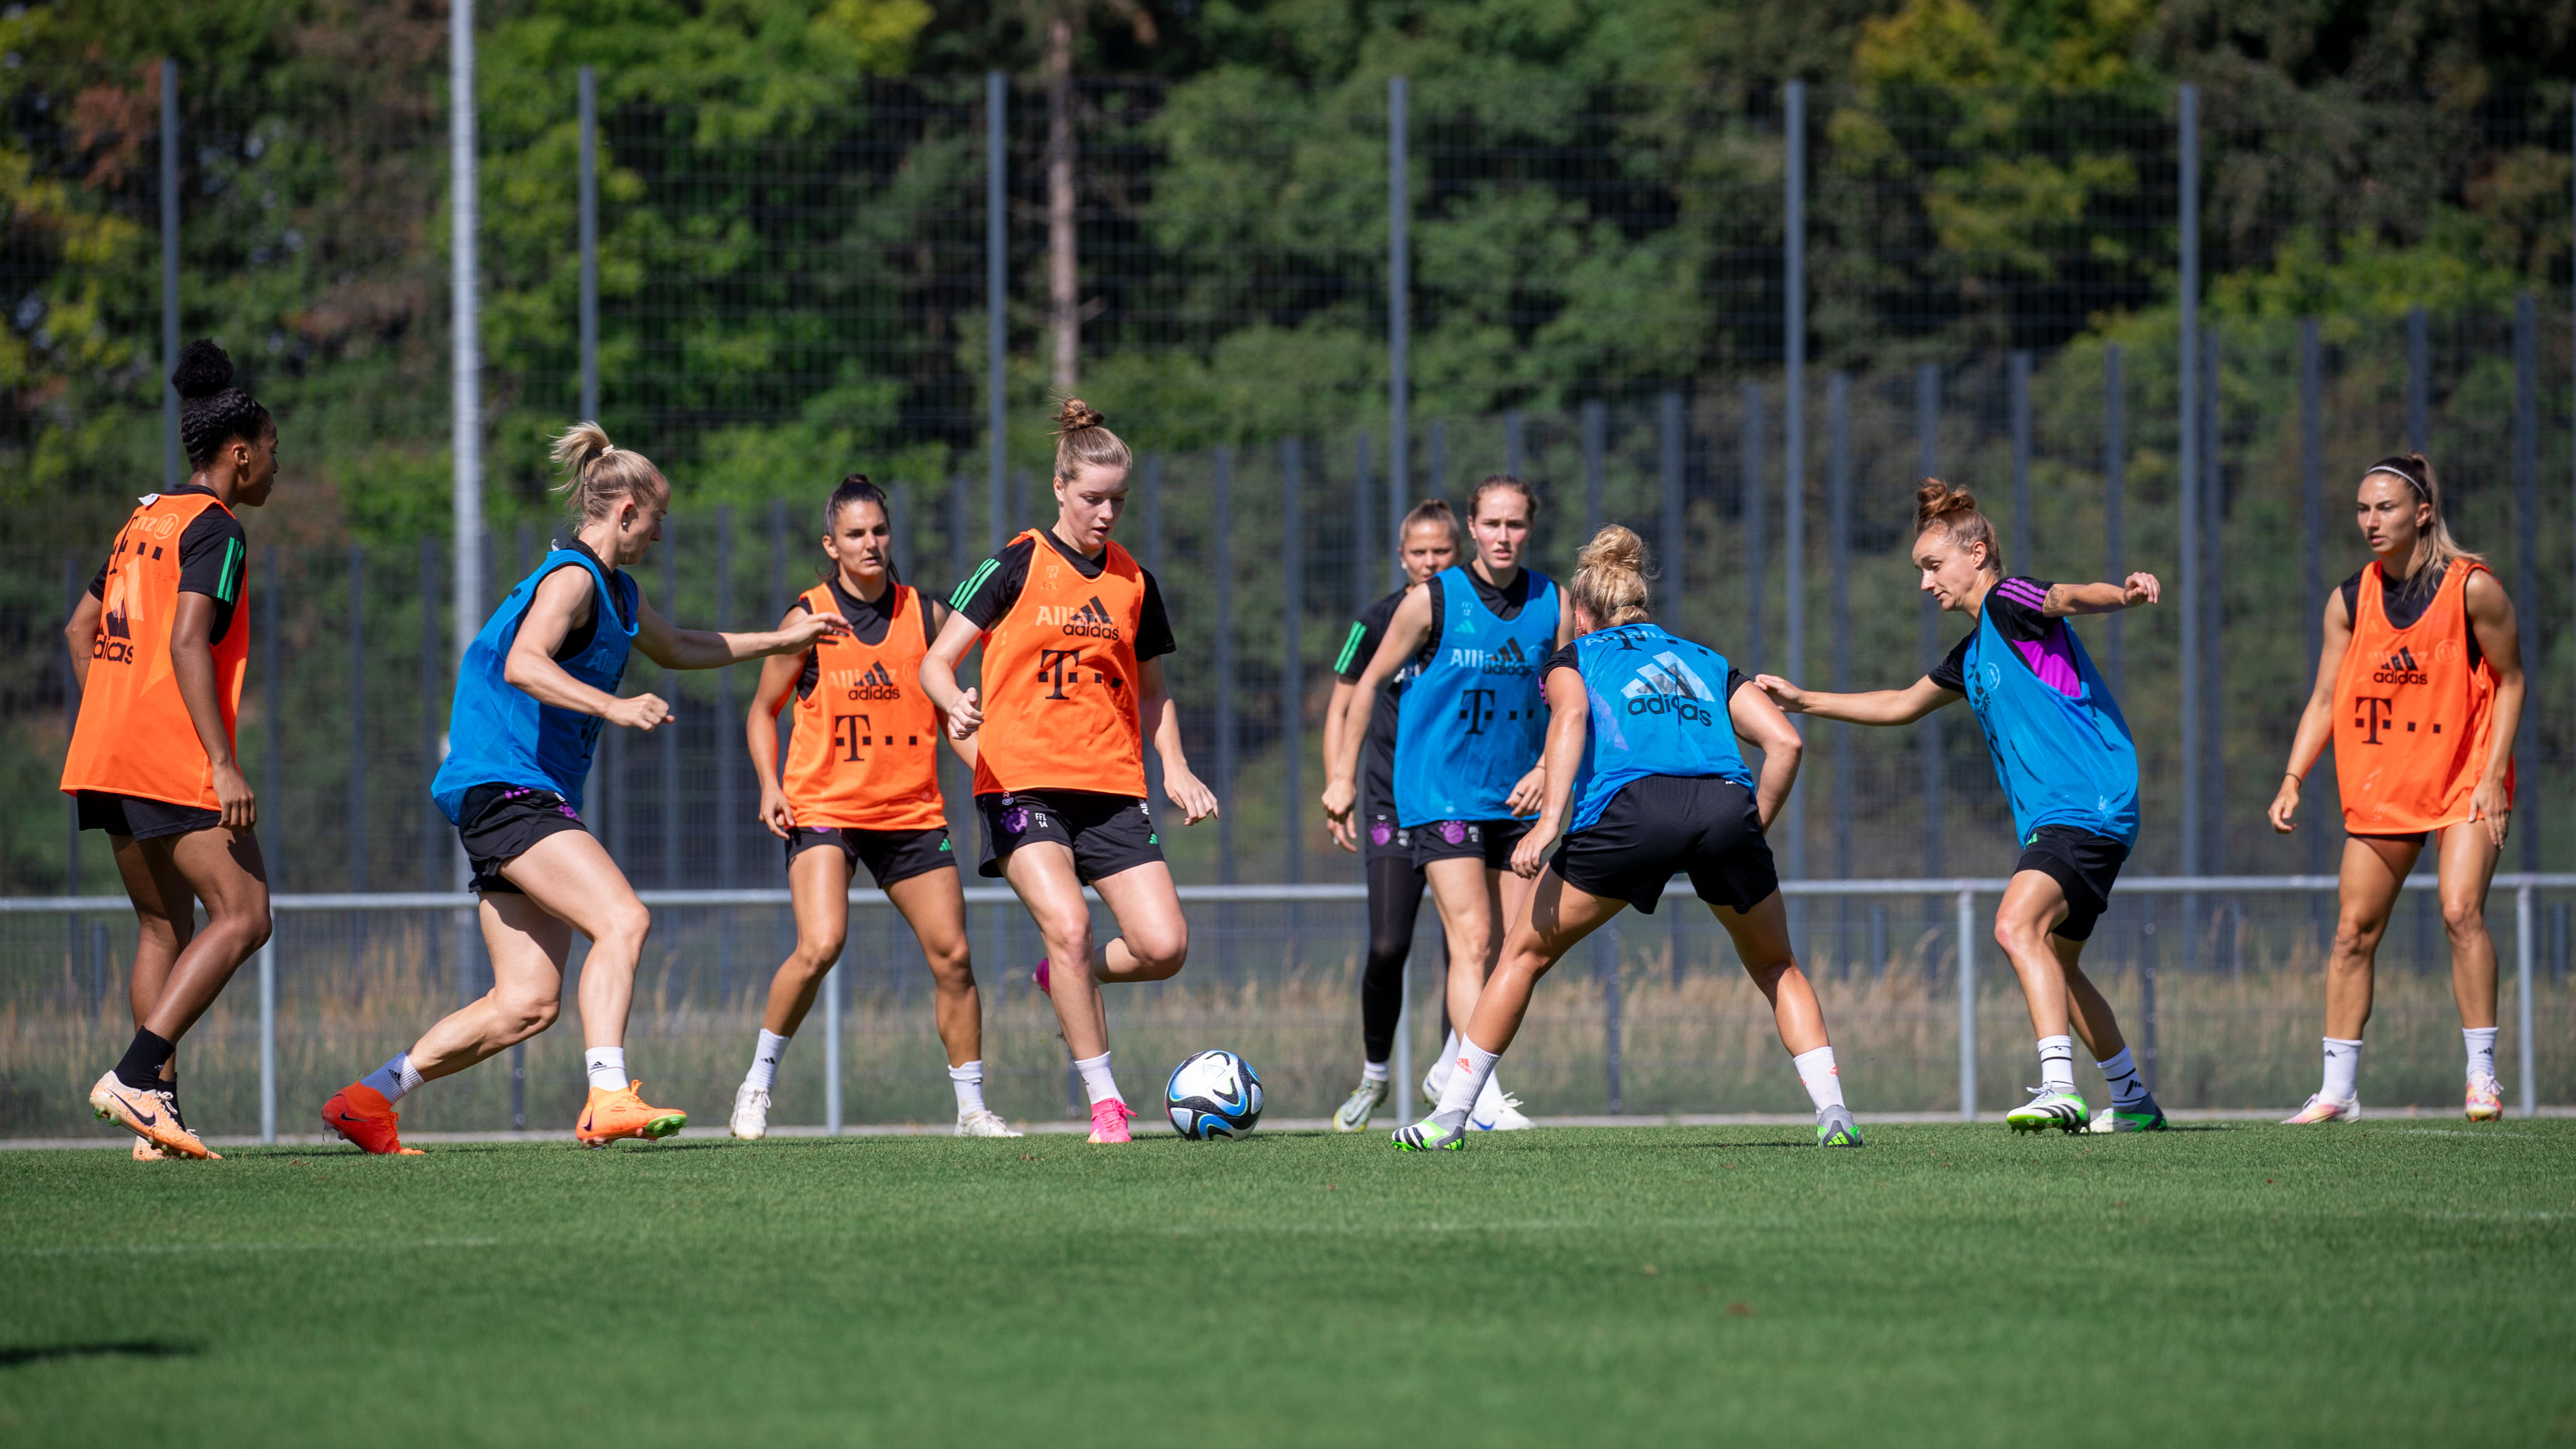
(1835,1128)
(1362,1104)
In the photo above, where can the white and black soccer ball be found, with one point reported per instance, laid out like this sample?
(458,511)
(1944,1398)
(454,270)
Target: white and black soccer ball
(1213,1097)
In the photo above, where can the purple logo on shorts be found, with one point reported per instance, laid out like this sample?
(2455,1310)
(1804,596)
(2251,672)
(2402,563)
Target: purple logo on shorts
(1014,820)
(1381,833)
(1454,831)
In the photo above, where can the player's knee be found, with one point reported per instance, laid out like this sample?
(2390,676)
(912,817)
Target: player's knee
(524,1014)
(950,960)
(815,956)
(2017,935)
(626,925)
(1160,954)
(2465,917)
(1066,935)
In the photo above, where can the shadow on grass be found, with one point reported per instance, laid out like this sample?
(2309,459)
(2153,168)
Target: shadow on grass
(18,1356)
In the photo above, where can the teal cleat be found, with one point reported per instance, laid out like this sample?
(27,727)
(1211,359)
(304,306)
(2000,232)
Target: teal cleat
(1835,1128)
(1427,1135)
(2061,1110)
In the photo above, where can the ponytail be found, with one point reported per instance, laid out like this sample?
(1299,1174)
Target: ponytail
(598,475)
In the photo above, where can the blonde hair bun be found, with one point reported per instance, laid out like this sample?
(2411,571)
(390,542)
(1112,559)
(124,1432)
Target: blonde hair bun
(1082,437)
(1610,574)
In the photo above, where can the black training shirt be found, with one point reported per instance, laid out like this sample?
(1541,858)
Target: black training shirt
(213,554)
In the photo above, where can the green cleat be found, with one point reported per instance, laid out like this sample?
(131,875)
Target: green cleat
(1427,1134)
(2061,1110)
(1835,1128)
(2145,1117)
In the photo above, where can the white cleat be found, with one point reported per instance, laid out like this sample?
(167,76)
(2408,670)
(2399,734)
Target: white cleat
(2322,1108)
(1356,1109)
(750,1112)
(1497,1112)
(984,1124)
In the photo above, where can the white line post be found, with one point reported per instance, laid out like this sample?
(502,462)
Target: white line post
(832,1051)
(268,1039)
(2522,1009)
(1967,1005)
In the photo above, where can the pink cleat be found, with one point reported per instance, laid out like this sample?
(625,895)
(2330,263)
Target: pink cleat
(2486,1098)
(1109,1121)
(2321,1109)
(1042,977)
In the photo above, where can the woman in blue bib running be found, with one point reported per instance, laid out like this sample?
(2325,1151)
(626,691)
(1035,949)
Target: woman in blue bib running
(537,684)
(2064,757)
(1644,780)
(1467,742)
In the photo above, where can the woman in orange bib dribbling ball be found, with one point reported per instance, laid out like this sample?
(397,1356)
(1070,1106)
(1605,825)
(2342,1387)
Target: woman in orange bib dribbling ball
(2420,687)
(1074,633)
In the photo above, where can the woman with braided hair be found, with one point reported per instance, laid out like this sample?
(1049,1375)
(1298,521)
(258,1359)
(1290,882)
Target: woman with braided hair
(159,646)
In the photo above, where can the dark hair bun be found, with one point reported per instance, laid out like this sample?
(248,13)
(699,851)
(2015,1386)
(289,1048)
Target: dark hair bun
(204,369)
(1076,415)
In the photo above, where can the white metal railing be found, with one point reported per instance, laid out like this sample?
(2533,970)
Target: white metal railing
(1964,889)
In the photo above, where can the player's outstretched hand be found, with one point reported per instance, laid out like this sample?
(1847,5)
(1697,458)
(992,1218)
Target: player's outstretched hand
(642,712)
(966,718)
(2141,588)
(1182,788)
(2285,803)
(775,814)
(1790,698)
(810,627)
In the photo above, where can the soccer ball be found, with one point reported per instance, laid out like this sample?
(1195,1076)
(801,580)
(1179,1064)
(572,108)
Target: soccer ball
(1214,1096)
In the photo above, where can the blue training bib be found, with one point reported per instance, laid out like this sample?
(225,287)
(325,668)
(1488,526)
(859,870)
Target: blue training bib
(1658,708)
(1473,721)
(497,733)
(2062,760)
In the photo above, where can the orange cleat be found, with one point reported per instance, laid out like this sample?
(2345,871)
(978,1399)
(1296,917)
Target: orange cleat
(622,1113)
(147,1115)
(360,1114)
(144,1151)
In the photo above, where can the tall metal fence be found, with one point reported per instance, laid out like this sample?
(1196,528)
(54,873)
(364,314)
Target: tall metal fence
(1742,319)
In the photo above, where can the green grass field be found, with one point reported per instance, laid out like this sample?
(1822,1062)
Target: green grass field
(2400,1282)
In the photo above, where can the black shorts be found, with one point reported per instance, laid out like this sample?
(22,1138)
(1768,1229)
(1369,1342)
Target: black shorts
(1380,837)
(1106,833)
(502,822)
(136,818)
(1489,840)
(2084,865)
(889,855)
(1662,825)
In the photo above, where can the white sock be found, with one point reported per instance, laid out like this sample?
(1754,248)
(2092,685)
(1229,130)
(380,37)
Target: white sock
(1469,1072)
(1096,1081)
(1817,1073)
(1440,1070)
(2481,1044)
(1373,1071)
(607,1068)
(969,1082)
(2122,1075)
(764,1060)
(2057,1063)
(397,1079)
(2343,1066)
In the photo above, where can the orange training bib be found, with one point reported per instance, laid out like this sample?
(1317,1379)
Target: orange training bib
(2413,718)
(133,735)
(864,753)
(1060,681)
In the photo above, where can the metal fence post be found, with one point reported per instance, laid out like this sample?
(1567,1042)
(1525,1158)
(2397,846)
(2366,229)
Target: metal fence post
(2187,468)
(832,1051)
(1838,593)
(1515,443)
(1435,460)
(2526,529)
(2312,546)
(466,360)
(354,804)
(1793,444)
(1750,521)
(1292,650)
(588,100)
(269,1043)
(1927,628)
(1605,967)
(272,773)
(174,463)
(2522,1004)
(670,802)
(2115,501)
(71,722)
(2419,380)
(1399,288)
(1221,566)
(2018,380)
(1671,433)
(997,260)
(1596,443)
(1967,1005)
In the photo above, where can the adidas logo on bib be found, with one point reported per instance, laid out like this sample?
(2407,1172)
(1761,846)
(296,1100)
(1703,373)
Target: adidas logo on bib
(1090,621)
(1670,686)
(2400,668)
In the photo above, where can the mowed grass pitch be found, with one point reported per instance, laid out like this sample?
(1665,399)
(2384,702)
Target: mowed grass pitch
(2401,1282)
